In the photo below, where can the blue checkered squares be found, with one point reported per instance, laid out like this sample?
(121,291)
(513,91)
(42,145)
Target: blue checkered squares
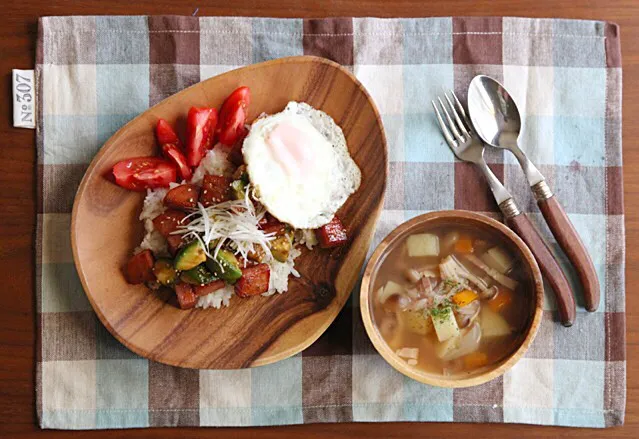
(122,409)
(423,141)
(577,404)
(276,398)
(426,403)
(274,38)
(64,133)
(428,42)
(579,141)
(111,48)
(579,92)
(122,89)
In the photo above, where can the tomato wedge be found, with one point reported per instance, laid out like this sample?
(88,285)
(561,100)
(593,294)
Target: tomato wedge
(140,173)
(200,124)
(235,154)
(230,126)
(166,134)
(175,155)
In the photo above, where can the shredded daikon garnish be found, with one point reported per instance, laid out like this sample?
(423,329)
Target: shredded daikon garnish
(232,224)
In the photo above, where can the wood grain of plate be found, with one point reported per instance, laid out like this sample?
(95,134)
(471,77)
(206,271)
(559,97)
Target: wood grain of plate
(255,331)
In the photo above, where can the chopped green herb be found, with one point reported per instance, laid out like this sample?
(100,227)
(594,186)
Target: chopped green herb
(450,282)
(448,303)
(440,312)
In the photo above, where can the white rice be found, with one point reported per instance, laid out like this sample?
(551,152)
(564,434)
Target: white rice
(306,237)
(155,242)
(215,162)
(153,206)
(217,298)
(278,282)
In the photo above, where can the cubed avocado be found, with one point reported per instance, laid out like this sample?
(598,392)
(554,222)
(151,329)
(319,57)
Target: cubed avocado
(225,266)
(199,275)
(190,256)
(258,254)
(238,187)
(164,272)
(281,247)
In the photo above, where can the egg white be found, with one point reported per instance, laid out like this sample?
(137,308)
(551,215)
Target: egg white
(310,197)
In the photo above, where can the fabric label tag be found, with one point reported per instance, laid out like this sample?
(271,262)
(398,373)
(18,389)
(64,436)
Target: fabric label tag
(24,99)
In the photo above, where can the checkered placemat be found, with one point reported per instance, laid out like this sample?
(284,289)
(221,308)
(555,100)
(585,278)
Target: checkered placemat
(96,73)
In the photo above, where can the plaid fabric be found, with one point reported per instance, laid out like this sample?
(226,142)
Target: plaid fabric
(96,73)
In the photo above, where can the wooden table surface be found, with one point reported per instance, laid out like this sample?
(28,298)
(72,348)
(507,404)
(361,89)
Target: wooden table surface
(18,29)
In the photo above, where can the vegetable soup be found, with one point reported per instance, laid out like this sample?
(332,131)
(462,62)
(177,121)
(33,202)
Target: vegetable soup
(451,300)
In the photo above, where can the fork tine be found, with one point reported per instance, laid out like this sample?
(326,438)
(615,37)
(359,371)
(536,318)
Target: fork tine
(451,123)
(442,125)
(460,109)
(460,124)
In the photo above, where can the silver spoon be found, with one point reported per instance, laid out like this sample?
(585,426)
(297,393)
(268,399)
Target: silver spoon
(496,118)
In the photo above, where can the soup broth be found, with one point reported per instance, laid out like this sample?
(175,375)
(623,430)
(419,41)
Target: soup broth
(452,300)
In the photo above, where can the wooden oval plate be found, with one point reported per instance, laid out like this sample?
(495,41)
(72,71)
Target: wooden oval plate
(251,332)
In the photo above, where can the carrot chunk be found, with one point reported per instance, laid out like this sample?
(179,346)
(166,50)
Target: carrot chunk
(502,300)
(475,360)
(464,297)
(464,245)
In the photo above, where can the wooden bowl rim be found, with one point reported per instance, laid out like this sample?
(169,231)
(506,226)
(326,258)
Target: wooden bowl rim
(383,348)
(376,212)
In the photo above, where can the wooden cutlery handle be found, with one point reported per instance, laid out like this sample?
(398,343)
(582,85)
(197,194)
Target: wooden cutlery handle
(548,265)
(569,240)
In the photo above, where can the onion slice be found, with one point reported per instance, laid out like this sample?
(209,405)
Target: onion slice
(501,278)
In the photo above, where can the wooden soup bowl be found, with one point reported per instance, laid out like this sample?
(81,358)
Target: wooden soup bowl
(471,221)
(251,332)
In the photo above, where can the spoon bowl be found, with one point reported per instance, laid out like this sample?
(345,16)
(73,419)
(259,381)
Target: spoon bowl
(493,112)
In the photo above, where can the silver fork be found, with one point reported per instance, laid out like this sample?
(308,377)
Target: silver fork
(466,145)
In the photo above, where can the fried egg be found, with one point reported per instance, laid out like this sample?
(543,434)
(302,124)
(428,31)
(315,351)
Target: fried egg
(299,165)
